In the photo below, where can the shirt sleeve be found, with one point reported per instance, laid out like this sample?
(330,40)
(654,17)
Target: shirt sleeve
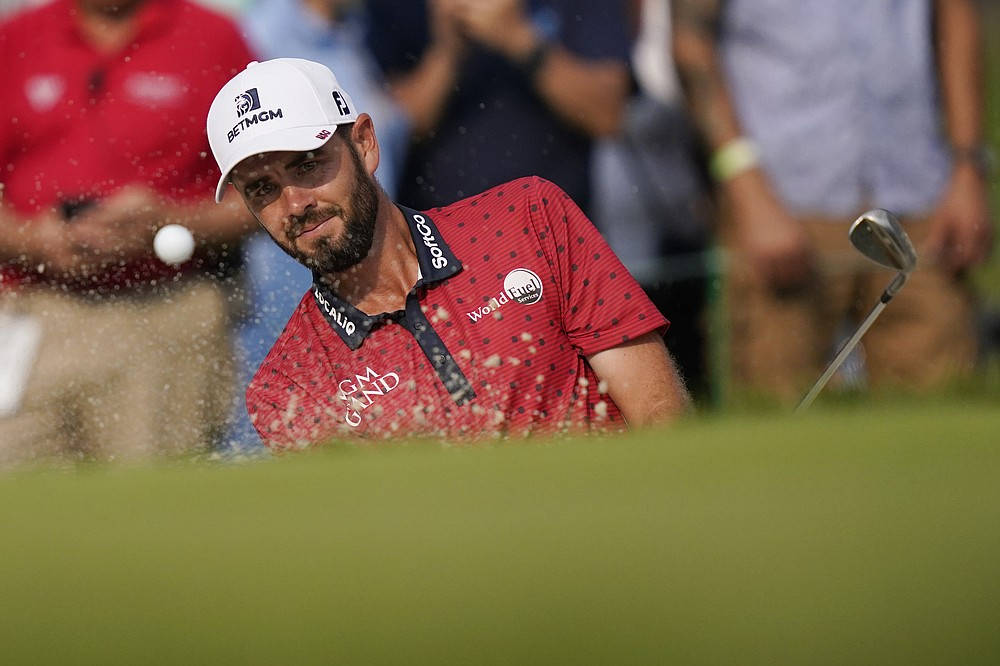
(602,304)
(8,123)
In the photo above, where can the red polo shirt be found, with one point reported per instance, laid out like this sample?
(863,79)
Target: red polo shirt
(79,124)
(516,288)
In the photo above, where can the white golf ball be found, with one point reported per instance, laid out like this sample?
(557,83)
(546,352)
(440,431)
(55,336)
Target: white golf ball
(173,244)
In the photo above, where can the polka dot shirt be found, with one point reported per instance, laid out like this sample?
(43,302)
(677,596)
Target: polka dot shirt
(517,288)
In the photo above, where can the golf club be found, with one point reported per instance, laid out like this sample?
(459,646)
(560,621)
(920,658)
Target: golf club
(878,235)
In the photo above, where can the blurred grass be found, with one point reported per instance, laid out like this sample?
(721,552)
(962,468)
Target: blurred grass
(856,533)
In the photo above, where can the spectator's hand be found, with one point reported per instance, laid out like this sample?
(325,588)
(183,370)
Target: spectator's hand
(499,25)
(774,242)
(961,235)
(446,30)
(120,227)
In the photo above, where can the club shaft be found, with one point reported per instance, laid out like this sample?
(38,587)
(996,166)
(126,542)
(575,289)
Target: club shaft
(842,355)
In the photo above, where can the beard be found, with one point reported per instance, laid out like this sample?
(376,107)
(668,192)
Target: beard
(336,255)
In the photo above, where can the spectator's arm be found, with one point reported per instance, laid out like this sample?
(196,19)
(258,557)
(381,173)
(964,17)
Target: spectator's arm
(424,90)
(122,226)
(695,52)
(642,380)
(961,234)
(214,223)
(959,51)
(33,243)
(773,242)
(590,94)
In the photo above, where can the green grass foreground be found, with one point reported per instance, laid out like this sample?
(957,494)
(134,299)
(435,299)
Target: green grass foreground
(849,535)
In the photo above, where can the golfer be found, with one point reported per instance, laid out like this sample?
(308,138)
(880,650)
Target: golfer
(502,314)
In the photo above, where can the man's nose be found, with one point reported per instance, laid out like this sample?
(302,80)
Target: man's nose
(298,200)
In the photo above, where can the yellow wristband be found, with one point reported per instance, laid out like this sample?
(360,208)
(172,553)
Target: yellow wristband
(733,158)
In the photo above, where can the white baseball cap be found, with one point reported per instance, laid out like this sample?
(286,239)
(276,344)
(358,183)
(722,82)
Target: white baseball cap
(281,104)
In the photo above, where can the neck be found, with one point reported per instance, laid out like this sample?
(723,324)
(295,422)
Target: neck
(381,281)
(108,26)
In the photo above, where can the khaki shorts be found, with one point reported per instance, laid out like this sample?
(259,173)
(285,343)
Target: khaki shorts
(124,377)
(780,343)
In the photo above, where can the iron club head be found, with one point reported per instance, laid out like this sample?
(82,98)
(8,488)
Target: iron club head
(878,235)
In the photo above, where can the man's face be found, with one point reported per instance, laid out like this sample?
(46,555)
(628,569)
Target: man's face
(318,206)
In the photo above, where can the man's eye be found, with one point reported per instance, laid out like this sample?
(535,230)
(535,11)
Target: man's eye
(259,190)
(306,167)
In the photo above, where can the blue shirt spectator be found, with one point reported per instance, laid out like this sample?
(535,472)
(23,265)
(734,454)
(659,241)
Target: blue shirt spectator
(497,123)
(842,120)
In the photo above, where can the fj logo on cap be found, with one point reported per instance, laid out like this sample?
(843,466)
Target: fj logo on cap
(247,102)
(341,103)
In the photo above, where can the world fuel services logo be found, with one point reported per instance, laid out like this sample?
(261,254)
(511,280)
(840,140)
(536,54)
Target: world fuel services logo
(523,286)
(520,285)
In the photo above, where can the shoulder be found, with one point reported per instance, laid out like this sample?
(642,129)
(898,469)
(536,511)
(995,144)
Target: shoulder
(503,198)
(23,24)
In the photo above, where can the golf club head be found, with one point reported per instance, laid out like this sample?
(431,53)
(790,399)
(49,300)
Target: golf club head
(878,235)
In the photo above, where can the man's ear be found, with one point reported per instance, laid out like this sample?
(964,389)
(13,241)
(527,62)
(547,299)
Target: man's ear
(364,139)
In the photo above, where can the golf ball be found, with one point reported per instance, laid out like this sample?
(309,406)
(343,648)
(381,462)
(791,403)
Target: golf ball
(173,244)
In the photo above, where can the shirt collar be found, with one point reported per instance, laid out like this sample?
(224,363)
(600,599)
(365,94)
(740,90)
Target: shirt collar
(435,260)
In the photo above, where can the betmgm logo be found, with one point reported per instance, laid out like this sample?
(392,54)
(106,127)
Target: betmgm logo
(246,102)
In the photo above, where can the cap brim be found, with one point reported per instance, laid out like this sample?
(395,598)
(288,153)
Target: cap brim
(291,138)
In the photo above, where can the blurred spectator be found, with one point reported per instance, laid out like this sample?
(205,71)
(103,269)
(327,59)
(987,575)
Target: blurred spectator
(103,142)
(650,195)
(498,89)
(815,112)
(331,32)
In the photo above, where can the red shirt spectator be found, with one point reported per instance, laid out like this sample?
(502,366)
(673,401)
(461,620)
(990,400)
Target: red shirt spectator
(102,143)
(80,123)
